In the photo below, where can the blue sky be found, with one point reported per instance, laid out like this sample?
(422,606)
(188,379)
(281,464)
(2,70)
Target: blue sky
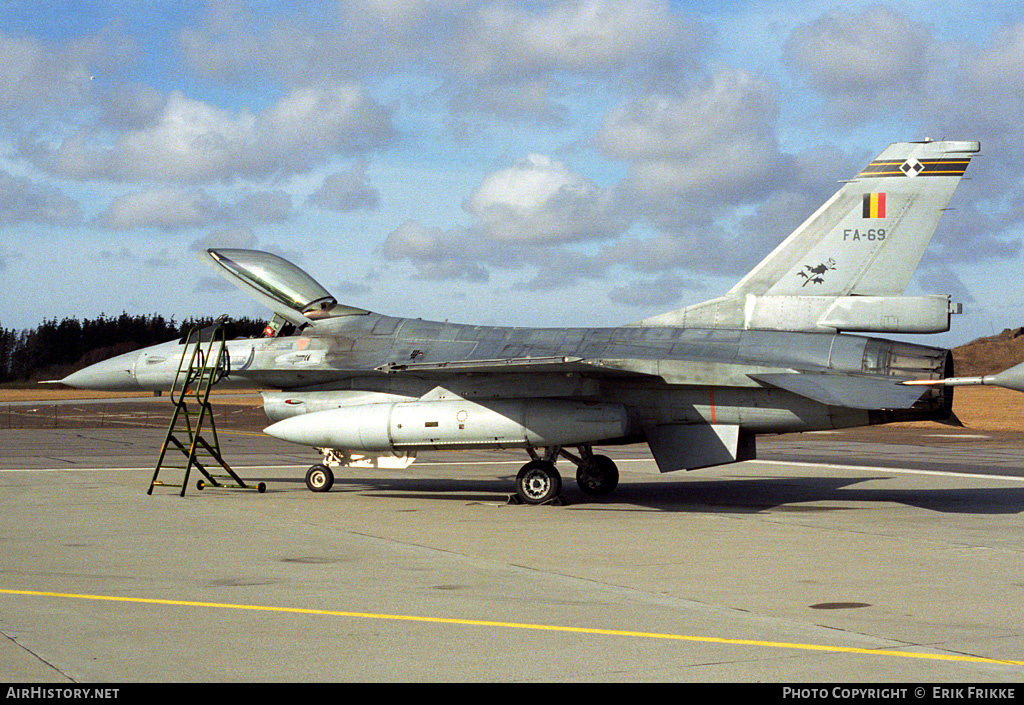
(561,163)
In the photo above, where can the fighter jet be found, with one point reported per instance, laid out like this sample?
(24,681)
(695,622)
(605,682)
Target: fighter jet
(790,348)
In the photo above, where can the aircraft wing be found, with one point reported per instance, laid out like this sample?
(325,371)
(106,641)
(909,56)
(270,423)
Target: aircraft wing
(834,389)
(851,391)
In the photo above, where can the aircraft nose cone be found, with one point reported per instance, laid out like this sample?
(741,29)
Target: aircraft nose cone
(114,375)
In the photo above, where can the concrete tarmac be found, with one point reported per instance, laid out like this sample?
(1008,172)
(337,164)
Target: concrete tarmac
(832,559)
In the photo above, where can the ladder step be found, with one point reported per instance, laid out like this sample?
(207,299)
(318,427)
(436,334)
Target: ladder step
(199,443)
(191,438)
(196,460)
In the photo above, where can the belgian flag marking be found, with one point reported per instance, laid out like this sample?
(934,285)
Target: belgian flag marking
(874,205)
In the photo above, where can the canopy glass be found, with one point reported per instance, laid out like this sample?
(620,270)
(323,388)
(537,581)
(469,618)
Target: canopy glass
(276,277)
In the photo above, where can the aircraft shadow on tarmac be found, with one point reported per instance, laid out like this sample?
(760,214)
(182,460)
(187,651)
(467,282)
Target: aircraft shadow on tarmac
(724,496)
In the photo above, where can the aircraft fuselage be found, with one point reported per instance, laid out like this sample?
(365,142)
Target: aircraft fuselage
(662,375)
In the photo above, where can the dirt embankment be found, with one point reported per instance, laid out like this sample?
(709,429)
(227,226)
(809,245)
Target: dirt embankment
(49,393)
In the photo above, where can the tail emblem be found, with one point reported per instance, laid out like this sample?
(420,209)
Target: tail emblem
(816,274)
(911,167)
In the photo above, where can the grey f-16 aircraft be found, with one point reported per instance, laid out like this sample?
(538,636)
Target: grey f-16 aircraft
(783,351)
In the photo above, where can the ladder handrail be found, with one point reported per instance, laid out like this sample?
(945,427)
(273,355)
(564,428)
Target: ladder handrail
(211,373)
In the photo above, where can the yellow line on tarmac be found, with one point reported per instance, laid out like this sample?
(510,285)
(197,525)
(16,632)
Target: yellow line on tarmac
(516,625)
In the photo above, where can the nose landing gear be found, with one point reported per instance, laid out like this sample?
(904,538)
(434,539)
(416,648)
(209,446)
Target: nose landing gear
(320,478)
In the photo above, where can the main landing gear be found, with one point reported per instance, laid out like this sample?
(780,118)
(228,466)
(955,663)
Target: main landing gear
(539,481)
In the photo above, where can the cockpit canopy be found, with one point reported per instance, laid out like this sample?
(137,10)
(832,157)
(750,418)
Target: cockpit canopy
(287,290)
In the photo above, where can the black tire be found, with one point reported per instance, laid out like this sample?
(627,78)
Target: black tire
(319,478)
(598,477)
(538,482)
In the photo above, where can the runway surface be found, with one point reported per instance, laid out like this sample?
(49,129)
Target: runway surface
(846,557)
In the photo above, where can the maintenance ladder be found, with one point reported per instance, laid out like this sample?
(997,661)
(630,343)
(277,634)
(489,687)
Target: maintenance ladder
(208,363)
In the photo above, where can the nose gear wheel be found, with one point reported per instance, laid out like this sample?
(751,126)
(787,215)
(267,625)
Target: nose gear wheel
(319,478)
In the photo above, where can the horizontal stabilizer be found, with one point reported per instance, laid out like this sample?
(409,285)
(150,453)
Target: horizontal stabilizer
(861,314)
(851,391)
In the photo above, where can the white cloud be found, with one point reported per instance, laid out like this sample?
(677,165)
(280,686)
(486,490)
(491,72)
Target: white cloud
(526,216)
(38,73)
(226,46)
(193,141)
(714,162)
(540,200)
(234,237)
(436,253)
(717,141)
(167,209)
(990,79)
(663,292)
(21,200)
(528,97)
(873,51)
(864,62)
(510,58)
(521,213)
(482,39)
(260,207)
(500,57)
(1001,65)
(132,106)
(505,38)
(174,209)
(235,42)
(691,157)
(346,191)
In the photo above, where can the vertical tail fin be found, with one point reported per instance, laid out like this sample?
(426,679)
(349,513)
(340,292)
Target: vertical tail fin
(847,266)
(869,237)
